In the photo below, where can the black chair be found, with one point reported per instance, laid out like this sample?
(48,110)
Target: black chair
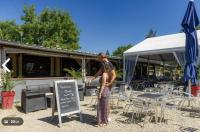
(48,91)
(90,90)
(81,92)
(33,97)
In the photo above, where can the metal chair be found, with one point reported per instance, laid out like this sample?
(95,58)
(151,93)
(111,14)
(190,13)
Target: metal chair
(141,108)
(122,95)
(129,103)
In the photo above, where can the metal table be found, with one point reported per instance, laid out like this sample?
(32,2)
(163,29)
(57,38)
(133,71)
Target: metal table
(154,96)
(157,99)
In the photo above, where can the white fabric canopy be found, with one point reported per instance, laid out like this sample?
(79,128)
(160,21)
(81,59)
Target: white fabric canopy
(163,48)
(160,45)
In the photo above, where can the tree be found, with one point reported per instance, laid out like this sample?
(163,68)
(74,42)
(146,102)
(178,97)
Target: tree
(29,14)
(50,28)
(120,50)
(182,30)
(9,31)
(107,53)
(198,28)
(151,34)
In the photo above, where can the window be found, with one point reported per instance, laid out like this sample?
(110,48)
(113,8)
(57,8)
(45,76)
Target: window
(36,66)
(69,64)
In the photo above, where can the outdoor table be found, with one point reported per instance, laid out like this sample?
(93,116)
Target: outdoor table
(154,98)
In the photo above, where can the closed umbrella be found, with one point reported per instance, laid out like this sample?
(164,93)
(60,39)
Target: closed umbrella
(189,23)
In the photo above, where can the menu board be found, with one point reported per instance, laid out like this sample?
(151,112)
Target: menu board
(67,98)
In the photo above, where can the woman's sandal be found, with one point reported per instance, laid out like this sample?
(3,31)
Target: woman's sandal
(104,124)
(99,125)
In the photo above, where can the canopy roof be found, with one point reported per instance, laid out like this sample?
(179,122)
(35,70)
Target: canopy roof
(160,45)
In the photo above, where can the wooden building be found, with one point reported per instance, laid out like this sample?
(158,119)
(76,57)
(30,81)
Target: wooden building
(28,61)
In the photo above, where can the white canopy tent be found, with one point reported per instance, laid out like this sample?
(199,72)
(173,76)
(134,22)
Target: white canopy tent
(163,48)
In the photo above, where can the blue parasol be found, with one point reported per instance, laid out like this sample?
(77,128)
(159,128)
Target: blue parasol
(189,23)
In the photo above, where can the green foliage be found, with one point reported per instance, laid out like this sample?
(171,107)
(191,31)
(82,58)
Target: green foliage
(121,49)
(119,74)
(29,14)
(198,73)
(73,73)
(9,31)
(198,28)
(8,85)
(50,28)
(182,30)
(151,34)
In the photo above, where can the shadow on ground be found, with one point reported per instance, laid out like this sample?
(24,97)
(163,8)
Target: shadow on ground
(87,119)
(19,108)
(188,129)
(189,109)
(194,114)
(127,119)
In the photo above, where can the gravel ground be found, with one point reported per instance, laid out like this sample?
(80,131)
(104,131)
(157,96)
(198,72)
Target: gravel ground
(40,121)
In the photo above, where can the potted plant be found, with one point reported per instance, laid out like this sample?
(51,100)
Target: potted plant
(195,89)
(7,93)
(119,74)
(77,74)
(74,73)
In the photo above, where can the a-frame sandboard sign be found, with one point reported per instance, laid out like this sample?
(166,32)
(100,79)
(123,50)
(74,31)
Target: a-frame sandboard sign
(67,99)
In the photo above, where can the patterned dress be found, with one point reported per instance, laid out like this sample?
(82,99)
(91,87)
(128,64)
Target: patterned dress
(102,107)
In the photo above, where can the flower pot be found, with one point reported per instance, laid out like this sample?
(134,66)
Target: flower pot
(195,90)
(7,99)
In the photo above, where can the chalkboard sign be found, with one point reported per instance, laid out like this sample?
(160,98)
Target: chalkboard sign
(67,98)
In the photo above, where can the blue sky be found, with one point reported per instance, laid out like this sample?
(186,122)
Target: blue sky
(107,24)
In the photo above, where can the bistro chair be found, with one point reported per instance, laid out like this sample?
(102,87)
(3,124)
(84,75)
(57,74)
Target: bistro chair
(141,108)
(120,96)
(129,103)
(94,99)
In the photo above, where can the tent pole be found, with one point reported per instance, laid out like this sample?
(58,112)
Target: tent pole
(148,70)
(141,70)
(163,69)
(124,72)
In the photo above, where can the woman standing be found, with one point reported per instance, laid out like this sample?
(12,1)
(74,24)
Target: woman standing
(103,98)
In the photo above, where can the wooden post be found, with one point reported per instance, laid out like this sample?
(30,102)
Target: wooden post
(52,67)
(57,66)
(20,74)
(83,70)
(3,56)
(14,64)
(89,67)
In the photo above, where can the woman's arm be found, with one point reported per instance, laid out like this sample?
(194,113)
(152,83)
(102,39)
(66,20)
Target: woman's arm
(113,77)
(103,83)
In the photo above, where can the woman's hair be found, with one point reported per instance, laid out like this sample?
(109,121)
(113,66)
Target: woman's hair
(106,67)
(102,55)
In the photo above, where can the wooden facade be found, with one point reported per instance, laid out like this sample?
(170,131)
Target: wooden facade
(39,62)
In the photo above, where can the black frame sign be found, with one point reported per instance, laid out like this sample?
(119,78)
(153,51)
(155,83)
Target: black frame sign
(67,98)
